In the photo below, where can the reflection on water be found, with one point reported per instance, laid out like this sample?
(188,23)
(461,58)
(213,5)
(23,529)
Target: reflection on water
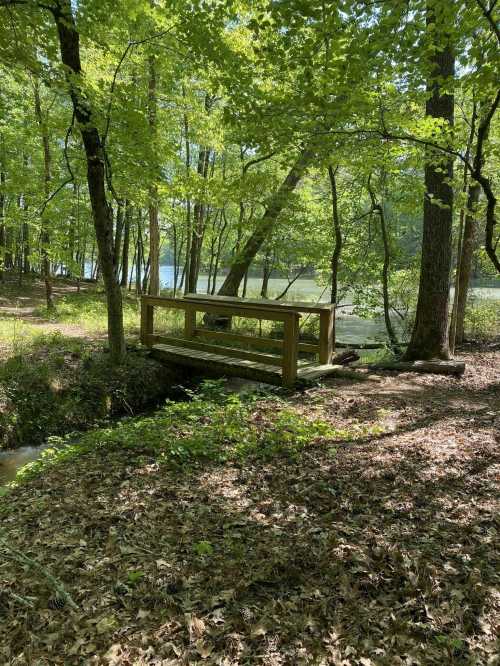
(11,461)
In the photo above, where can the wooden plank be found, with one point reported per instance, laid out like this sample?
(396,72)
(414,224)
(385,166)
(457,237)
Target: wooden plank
(215,349)
(298,306)
(218,363)
(316,371)
(290,349)
(261,342)
(147,322)
(276,313)
(164,302)
(326,332)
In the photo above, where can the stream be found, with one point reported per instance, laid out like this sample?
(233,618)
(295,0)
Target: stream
(14,459)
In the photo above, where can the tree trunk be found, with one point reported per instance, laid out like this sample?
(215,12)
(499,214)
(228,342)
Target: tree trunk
(69,41)
(477,173)
(465,269)
(430,334)
(379,209)
(2,224)
(337,249)
(267,270)
(154,229)
(140,253)
(120,221)
(126,244)
(274,207)
(198,225)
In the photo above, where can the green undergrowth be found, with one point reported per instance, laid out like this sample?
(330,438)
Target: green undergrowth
(212,426)
(87,309)
(58,385)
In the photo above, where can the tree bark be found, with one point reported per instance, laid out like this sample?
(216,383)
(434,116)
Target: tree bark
(275,205)
(69,42)
(465,268)
(154,229)
(430,333)
(198,225)
(337,248)
(120,221)
(379,209)
(126,244)
(2,223)
(485,182)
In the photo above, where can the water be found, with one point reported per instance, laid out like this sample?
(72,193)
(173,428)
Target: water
(12,460)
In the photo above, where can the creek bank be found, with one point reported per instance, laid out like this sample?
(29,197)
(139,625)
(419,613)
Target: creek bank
(72,386)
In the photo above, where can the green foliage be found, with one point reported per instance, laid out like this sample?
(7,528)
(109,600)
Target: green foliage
(203,548)
(482,319)
(212,426)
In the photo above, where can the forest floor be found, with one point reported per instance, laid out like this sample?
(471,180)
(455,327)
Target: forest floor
(367,534)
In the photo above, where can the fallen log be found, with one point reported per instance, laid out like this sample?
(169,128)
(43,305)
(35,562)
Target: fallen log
(345,357)
(435,367)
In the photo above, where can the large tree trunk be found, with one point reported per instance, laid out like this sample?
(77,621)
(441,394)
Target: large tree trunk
(276,203)
(430,334)
(69,41)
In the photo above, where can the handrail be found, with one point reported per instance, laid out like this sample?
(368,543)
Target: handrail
(299,306)
(326,312)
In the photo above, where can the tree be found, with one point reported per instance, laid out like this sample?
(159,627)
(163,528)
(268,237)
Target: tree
(430,334)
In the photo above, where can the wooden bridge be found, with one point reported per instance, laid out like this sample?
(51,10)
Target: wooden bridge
(222,351)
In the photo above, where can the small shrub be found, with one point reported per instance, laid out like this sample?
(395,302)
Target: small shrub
(482,319)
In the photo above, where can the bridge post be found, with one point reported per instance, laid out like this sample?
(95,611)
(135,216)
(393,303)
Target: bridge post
(147,320)
(189,321)
(326,335)
(290,348)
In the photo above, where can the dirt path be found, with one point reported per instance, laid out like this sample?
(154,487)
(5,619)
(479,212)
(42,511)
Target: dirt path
(22,302)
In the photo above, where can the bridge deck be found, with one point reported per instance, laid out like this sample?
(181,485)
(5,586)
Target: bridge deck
(238,367)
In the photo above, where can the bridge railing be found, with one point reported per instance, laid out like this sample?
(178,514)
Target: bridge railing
(287,313)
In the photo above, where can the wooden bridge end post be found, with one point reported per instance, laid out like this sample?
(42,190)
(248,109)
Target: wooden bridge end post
(189,321)
(326,335)
(147,321)
(290,348)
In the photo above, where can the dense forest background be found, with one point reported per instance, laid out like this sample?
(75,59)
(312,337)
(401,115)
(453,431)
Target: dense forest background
(252,138)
